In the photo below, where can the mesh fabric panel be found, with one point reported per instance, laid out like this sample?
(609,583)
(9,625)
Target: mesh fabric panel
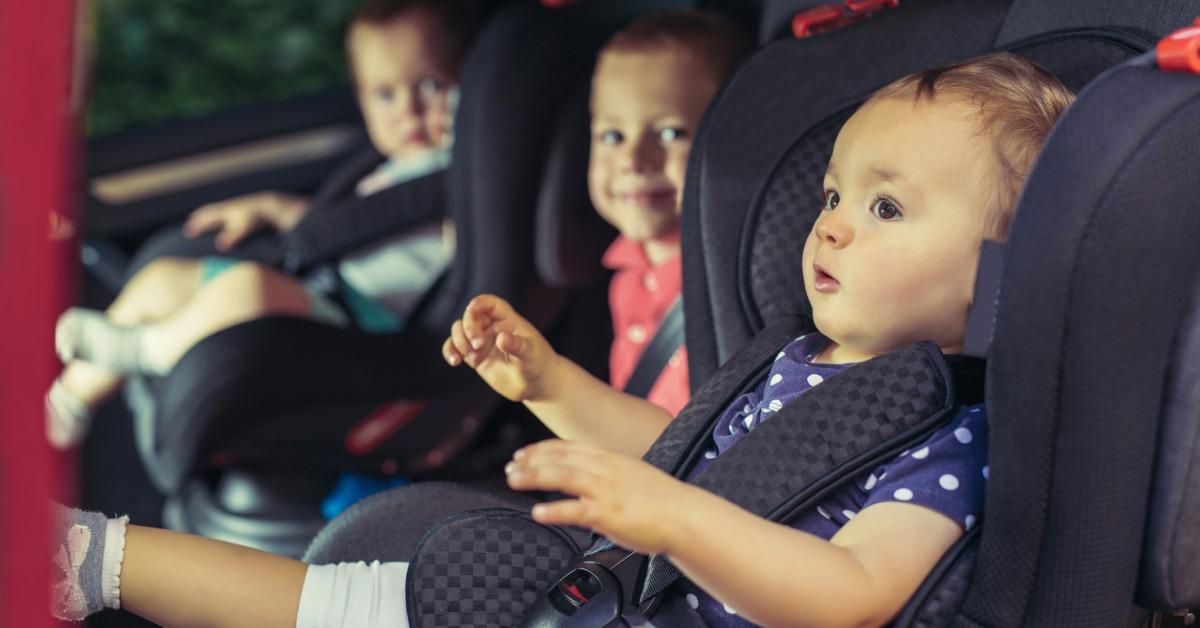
(483,569)
(790,204)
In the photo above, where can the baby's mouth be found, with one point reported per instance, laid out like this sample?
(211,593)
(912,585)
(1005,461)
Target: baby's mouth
(647,197)
(823,281)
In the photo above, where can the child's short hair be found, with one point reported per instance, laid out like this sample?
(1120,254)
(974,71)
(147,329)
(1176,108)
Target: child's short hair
(1018,102)
(459,19)
(717,42)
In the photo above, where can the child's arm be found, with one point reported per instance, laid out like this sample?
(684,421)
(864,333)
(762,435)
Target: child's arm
(514,359)
(178,579)
(771,574)
(236,218)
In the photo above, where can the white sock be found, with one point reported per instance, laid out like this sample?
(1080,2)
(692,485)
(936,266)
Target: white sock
(68,417)
(88,335)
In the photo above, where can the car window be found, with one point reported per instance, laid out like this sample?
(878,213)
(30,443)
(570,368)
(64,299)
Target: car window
(158,61)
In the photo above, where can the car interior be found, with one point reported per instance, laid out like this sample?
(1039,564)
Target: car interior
(1085,323)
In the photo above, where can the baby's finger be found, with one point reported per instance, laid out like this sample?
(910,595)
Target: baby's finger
(516,346)
(574,512)
(461,344)
(475,326)
(233,233)
(201,220)
(450,353)
(552,472)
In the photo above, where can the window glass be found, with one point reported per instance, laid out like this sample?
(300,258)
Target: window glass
(159,60)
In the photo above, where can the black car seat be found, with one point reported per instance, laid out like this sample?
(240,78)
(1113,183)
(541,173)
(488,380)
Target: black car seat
(251,427)
(1087,291)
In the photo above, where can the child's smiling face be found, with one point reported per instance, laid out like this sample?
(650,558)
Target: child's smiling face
(891,260)
(645,109)
(404,72)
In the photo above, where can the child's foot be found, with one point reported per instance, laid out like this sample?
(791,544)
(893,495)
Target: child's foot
(68,417)
(88,335)
(88,549)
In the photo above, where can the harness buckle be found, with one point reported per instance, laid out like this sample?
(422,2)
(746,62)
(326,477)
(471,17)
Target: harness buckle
(600,590)
(1180,51)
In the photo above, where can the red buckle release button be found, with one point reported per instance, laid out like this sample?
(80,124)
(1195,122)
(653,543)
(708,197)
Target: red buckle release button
(1180,51)
(816,19)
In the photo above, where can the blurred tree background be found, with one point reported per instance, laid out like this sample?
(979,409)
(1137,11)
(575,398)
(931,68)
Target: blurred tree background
(159,60)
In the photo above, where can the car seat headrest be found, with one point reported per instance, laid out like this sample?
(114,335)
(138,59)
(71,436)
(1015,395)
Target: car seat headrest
(1102,244)
(1170,571)
(571,236)
(1150,20)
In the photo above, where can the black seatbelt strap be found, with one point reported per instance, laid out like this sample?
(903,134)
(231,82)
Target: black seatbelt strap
(775,459)
(663,345)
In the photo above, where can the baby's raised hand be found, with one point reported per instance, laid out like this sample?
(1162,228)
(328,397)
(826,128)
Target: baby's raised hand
(506,350)
(626,499)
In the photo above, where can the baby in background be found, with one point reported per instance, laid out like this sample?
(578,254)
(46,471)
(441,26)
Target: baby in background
(404,57)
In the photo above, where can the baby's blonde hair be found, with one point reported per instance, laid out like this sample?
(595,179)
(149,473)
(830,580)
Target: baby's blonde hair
(1018,103)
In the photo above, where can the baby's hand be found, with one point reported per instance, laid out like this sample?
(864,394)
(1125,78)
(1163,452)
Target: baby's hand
(506,350)
(236,218)
(627,500)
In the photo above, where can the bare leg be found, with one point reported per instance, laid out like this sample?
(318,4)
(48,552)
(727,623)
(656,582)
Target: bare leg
(159,289)
(178,579)
(243,293)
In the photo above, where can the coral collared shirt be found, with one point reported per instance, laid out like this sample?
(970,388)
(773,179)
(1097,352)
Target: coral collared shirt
(639,297)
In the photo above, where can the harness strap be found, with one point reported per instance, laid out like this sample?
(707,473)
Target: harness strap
(663,345)
(334,231)
(862,417)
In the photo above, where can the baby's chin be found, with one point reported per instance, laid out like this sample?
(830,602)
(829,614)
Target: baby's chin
(412,151)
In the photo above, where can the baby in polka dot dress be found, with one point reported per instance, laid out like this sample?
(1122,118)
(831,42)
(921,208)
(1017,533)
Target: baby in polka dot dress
(924,171)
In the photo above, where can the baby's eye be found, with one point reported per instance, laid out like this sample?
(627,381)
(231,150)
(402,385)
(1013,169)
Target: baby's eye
(671,134)
(884,209)
(831,199)
(385,93)
(610,137)
(430,86)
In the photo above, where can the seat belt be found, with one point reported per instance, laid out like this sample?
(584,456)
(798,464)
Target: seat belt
(666,341)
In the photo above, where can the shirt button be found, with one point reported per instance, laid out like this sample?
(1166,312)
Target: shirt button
(674,361)
(650,282)
(636,333)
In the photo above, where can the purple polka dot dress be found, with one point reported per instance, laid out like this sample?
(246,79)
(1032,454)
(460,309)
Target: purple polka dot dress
(946,473)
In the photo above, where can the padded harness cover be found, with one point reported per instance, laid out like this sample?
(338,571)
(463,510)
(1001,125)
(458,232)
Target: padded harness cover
(856,419)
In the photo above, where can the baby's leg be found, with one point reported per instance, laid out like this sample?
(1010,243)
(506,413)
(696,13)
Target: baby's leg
(242,293)
(160,288)
(177,579)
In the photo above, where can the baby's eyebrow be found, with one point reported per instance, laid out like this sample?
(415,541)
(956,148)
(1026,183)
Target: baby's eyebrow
(884,174)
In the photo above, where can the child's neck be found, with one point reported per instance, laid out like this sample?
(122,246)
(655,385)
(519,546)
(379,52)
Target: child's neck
(835,353)
(660,251)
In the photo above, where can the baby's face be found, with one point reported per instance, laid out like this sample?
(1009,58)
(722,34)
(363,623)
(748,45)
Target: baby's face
(891,260)
(404,75)
(645,109)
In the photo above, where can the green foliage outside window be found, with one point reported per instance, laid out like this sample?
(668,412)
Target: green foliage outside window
(159,60)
